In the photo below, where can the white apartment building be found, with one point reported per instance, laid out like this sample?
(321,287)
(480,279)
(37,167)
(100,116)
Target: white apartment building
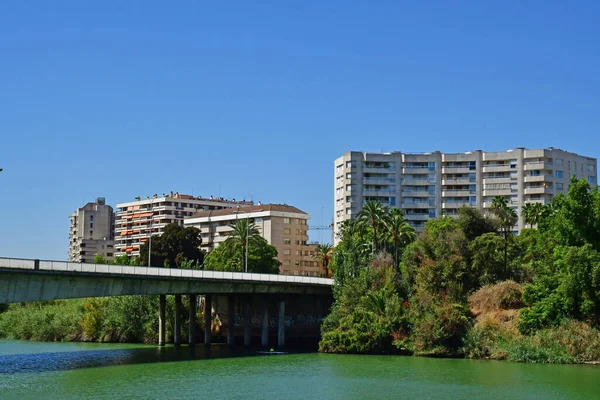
(426,185)
(283,226)
(134,220)
(92,232)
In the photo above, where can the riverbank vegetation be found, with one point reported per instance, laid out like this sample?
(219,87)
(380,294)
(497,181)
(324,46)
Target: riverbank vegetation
(467,287)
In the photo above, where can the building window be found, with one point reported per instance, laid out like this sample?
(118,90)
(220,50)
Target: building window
(590,168)
(287,241)
(91,225)
(109,254)
(559,186)
(592,180)
(91,217)
(558,161)
(91,233)
(559,174)
(286,262)
(286,220)
(286,252)
(287,231)
(472,165)
(431,165)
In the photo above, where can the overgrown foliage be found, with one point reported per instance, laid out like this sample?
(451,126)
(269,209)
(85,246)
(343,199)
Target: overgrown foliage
(468,286)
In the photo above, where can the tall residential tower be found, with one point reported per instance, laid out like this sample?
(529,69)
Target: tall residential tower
(426,185)
(92,232)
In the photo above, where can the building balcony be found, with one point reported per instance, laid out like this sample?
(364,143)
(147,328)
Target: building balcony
(456,170)
(538,165)
(538,190)
(457,193)
(223,228)
(379,181)
(415,171)
(457,181)
(497,168)
(417,217)
(538,178)
(497,180)
(417,182)
(538,201)
(417,194)
(455,205)
(497,192)
(378,192)
(378,170)
(422,205)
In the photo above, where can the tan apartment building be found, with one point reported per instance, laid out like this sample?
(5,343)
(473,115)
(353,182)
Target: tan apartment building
(92,232)
(428,185)
(283,226)
(134,220)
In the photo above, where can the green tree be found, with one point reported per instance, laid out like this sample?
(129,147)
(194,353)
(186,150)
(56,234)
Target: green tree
(243,232)
(262,258)
(473,223)
(399,232)
(323,254)
(99,259)
(174,246)
(507,218)
(372,215)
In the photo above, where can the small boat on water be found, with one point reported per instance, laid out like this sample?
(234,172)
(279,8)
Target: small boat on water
(271,352)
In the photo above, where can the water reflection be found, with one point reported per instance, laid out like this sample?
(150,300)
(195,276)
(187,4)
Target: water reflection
(61,361)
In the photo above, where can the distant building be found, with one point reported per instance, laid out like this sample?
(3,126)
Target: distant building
(135,219)
(427,185)
(283,226)
(92,232)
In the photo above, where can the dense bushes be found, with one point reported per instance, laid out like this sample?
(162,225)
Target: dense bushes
(115,319)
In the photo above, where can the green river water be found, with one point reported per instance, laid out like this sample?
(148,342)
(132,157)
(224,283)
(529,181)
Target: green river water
(108,371)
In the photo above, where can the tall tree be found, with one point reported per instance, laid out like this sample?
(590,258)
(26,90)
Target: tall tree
(323,254)
(175,245)
(507,218)
(399,231)
(244,232)
(527,213)
(262,258)
(372,215)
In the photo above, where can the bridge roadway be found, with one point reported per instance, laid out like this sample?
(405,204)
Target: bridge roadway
(26,280)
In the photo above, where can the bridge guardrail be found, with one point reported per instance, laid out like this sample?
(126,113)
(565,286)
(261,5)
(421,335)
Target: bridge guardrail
(22,263)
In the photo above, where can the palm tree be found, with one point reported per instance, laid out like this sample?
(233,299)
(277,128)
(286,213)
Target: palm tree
(372,214)
(323,254)
(527,213)
(398,230)
(244,233)
(507,217)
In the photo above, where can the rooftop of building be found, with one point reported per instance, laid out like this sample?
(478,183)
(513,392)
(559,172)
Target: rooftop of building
(249,209)
(181,196)
(469,152)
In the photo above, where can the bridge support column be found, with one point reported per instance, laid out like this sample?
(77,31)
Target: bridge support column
(230,320)
(162,305)
(247,323)
(207,319)
(265,325)
(192,328)
(177,321)
(281,327)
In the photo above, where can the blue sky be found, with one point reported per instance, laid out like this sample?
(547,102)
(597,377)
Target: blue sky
(257,98)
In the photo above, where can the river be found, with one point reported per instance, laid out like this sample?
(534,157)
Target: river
(31,370)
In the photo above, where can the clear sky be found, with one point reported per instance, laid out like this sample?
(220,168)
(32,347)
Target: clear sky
(257,98)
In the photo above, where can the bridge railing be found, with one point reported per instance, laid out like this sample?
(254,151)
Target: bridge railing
(64,266)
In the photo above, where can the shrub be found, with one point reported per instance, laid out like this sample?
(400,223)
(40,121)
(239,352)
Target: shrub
(501,296)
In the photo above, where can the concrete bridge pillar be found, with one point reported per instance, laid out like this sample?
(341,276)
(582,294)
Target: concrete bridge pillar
(230,320)
(207,319)
(192,328)
(177,322)
(162,305)
(265,324)
(247,322)
(281,325)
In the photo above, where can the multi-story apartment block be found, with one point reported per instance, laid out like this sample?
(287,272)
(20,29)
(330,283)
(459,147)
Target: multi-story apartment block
(283,226)
(428,185)
(92,232)
(134,220)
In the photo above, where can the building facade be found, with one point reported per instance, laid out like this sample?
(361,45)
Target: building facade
(283,226)
(92,232)
(134,220)
(428,185)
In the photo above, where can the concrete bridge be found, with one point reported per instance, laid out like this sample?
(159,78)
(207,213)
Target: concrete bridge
(26,280)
